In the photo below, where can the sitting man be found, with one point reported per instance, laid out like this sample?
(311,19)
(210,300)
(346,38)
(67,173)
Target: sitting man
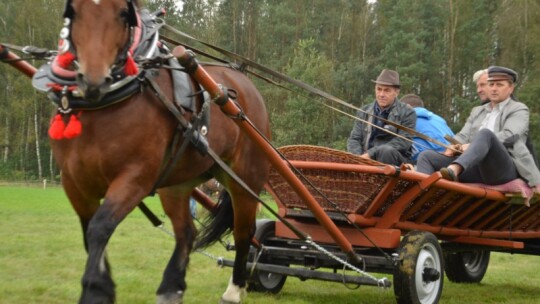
(428,124)
(492,149)
(372,137)
(481,80)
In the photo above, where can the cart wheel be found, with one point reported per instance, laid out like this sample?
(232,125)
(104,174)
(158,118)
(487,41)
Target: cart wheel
(466,266)
(263,281)
(418,279)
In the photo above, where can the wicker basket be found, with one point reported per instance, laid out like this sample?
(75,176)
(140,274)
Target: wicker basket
(349,191)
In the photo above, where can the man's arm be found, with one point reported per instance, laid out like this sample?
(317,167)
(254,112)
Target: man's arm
(464,136)
(516,124)
(408,119)
(356,139)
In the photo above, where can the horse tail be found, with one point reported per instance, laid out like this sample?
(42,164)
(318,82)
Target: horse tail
(218,223)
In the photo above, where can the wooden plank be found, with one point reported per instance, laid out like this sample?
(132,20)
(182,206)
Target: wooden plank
(482,225)
(381,197)
(488,242)
(368,237)
(466,212)
(450,211)
(492,205)
(438,206)
(419,203)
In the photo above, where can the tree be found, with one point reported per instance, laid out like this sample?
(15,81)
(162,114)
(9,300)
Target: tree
(305,120)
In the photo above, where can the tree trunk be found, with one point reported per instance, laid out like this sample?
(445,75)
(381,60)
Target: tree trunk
(36,133)
(452,25)
(5,154)
(51,166)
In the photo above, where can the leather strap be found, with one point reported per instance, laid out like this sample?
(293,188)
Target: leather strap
(310,89)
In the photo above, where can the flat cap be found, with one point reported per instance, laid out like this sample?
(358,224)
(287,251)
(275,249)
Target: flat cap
(501,73)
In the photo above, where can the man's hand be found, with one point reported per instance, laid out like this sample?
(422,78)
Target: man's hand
(365,155)
(455,150)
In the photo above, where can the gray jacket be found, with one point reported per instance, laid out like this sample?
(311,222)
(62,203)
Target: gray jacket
(400,114)
(511,129)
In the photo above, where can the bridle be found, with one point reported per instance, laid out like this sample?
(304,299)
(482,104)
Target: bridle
(67,48)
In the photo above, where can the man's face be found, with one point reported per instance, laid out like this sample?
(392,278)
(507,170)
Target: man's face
(385,95)
(499,90)
(482,87)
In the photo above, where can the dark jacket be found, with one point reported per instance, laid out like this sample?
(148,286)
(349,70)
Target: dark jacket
(400,114)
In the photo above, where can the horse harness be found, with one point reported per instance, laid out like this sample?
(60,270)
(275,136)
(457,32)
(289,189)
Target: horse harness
(58,80)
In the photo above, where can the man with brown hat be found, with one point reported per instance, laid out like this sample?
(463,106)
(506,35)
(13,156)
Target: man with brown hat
(493,140)
(372,136)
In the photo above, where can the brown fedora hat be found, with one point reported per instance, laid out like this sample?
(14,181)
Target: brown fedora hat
(389,78)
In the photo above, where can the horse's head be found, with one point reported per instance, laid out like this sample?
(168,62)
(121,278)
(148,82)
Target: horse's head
(100,34)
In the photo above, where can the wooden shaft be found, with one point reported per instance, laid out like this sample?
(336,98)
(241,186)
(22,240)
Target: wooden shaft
(229,108)
(16,62)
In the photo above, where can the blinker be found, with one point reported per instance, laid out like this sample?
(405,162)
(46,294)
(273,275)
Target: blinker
(132,14)
(68,10)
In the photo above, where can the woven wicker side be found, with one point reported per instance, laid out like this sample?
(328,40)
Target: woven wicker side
(350,191)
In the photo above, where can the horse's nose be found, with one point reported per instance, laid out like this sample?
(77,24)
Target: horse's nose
(93,91)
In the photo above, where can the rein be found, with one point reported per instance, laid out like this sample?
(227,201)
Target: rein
(312,90)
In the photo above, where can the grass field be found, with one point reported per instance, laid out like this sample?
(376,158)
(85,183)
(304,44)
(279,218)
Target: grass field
(42,259)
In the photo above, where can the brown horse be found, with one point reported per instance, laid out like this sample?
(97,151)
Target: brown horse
(119,155)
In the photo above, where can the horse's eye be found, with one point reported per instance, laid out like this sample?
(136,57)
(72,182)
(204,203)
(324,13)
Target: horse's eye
(125,15)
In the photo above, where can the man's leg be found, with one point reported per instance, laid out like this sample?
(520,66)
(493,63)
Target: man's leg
(430,161)
(486,161)
(388,155)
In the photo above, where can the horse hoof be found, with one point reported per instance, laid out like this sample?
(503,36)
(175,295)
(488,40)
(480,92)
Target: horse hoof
(171,298)
(223,301)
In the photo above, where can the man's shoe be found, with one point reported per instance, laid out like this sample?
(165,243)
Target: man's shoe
(448,174)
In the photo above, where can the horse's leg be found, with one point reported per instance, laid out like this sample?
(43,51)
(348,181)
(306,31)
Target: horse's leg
(175,203)
(245,211)
(84,205)
(121,198)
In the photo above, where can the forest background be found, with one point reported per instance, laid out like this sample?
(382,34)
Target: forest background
(338,46)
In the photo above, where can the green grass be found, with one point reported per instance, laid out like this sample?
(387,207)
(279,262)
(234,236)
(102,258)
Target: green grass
(42,259)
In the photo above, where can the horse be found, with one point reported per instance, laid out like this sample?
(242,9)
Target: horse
(119,155)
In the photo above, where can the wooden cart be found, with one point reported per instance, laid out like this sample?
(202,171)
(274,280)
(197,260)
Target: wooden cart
(400,222)
(370,217)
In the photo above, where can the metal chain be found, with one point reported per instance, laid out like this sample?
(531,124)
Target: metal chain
(200,251)
(167,231)
(380,282)
(219,259)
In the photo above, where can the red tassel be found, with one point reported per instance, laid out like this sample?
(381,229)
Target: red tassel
(65,60)
(131,67)
(56,131)
(74,128)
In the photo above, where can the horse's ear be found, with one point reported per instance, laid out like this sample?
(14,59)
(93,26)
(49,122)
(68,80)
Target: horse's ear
(132,13)
(68,11)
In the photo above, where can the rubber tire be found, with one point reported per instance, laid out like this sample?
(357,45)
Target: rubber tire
(467,266)
(418,250)
(263,281)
